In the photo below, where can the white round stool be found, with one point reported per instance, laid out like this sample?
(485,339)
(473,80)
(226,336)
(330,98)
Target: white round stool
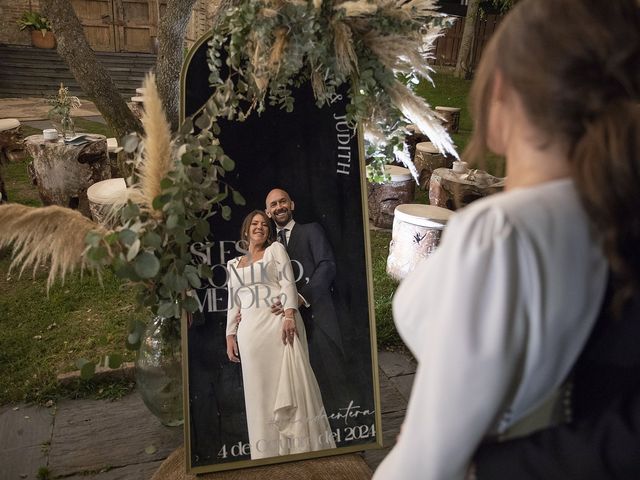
(416,234)
(102,195)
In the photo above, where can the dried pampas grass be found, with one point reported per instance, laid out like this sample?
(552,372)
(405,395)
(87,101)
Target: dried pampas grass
(419,113)
(400,53)
(346,58)
(317,84)
(157,159)
(277,50)
(408,10)
(40,234)
(357,8)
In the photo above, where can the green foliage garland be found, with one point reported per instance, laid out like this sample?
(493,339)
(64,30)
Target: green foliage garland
(376,48)
(153,253)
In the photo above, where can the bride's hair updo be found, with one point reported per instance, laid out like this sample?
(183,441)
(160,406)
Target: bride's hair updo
(576,66)
(246,224)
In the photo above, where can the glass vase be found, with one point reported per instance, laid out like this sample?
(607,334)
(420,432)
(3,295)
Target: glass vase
(63,123)
(68,127)
(159,371)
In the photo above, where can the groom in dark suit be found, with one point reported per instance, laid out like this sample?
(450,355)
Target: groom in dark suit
(314,268)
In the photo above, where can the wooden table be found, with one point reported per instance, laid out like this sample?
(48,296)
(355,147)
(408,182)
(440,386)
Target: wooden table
(63,171)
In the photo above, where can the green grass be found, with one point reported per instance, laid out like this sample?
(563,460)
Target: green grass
(450,92)
(88,126)
(383,289)
(19,186)
(44,334)
(454,92)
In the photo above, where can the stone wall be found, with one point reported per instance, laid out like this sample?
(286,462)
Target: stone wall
(10,13)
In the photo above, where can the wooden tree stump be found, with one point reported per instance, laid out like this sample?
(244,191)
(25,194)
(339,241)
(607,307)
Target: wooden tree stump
(385,197)
(11,140)
(452,190)
(136,105)
(64,172)
(3,190)
(415,137)
(451,117)
(102,196)
(427,159)
(343,467)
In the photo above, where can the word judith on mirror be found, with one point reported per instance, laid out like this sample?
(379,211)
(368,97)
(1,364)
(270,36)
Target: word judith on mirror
(345,134)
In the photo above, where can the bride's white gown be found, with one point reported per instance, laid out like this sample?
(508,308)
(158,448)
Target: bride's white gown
(285,414)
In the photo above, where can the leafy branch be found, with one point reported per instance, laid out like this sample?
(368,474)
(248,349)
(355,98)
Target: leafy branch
(378,48)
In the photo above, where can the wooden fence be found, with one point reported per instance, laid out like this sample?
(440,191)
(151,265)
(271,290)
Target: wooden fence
(447,46)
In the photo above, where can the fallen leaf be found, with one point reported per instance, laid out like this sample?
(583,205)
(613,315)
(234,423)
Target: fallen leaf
(15,409)
(150,450)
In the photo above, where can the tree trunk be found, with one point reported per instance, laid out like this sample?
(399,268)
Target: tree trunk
(92,77)
(463,68)
(64,172)
(171,32)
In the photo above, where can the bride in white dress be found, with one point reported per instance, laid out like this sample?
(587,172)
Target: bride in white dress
(285,414)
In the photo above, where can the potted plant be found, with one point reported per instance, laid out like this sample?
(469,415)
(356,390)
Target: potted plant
(40,28)
(60,112)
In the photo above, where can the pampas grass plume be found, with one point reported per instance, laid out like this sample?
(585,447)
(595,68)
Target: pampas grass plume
(419,113)
(40,234)
(157,159)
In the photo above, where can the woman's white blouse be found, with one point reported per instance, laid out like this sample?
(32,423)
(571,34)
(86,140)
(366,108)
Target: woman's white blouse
(496,317)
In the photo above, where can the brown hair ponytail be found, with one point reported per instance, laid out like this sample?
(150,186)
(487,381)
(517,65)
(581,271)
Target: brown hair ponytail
(606,168)
(576,67)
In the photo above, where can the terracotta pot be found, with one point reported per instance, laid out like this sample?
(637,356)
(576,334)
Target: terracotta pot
(38,40)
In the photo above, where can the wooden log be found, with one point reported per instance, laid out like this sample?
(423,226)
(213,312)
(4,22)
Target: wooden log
(383,198)
(414,137)
(102,196)
(451,117)
(64,172)
(136,106)
(3,190)
(453,190)
(11,139)
(343,467)
(427,159)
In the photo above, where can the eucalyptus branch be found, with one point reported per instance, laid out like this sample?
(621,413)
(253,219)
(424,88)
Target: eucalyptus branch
(269,48)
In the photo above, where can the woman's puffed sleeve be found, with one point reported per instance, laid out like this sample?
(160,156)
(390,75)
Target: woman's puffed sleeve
(462,314)
(232,306)
(288,293)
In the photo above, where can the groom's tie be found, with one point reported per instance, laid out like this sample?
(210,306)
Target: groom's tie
(282,237)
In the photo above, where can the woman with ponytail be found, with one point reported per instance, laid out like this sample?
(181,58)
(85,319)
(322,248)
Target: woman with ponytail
(498,317)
